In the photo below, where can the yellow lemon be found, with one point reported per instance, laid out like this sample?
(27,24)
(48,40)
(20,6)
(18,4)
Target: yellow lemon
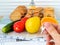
(32,24)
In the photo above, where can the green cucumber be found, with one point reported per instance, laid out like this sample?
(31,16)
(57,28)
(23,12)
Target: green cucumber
(8,28)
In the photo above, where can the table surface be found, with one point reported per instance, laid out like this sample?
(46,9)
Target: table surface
(24,43)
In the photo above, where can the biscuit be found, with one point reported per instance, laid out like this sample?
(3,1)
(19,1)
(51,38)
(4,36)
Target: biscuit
(21,9)
(15,16)
(38,9)
(18,13)
(39,12)
(49,12)
(30,13)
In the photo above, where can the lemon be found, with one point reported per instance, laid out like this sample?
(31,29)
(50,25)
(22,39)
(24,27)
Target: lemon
(32,24)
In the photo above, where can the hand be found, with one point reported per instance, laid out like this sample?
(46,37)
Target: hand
(52,31)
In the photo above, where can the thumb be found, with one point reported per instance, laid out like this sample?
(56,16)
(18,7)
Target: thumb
(51,30)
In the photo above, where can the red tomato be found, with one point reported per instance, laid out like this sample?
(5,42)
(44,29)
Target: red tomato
(19,26)
(24,19)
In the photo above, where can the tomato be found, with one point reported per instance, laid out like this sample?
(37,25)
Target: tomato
(24,19)
(19,26)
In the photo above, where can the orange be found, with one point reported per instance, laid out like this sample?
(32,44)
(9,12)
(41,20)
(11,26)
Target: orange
(49,19)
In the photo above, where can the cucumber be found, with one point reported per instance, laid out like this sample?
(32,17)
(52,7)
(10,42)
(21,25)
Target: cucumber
(8,28)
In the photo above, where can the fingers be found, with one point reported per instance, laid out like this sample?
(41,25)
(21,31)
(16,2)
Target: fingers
(51,30)
(45,32)
(55,25)
(48,38)
(50,43)
(58,29)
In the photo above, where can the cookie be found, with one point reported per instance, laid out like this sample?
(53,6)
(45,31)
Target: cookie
(18,13)
(15,16)
(38,9)
(30,13)
(49,12)
(21,9)
(39,12)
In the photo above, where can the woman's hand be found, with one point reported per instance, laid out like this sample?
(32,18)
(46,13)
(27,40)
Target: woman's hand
(52,31)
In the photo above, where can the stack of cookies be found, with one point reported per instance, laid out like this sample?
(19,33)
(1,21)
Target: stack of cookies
(22,11)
